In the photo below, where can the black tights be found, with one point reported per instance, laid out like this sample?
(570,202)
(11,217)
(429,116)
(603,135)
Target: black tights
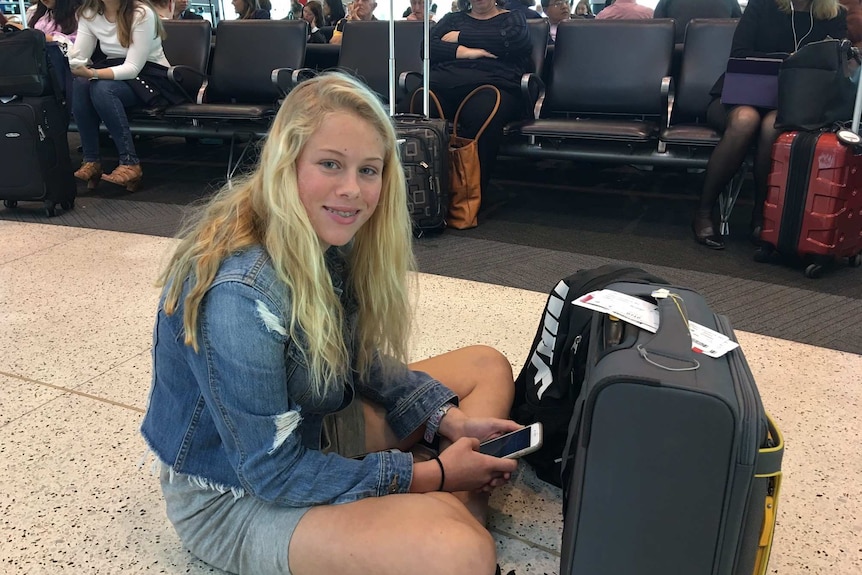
(743,125)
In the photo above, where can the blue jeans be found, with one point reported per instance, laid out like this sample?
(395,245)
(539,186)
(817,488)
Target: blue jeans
(96,101)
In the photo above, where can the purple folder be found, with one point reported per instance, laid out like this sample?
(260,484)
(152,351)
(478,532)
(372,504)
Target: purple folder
(752,82)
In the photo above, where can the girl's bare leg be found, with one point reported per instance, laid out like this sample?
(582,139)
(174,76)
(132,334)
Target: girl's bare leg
(439,533)
(482,378)
(418,534)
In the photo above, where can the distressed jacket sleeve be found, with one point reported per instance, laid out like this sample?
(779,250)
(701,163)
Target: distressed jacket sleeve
(243,380)
(409,396)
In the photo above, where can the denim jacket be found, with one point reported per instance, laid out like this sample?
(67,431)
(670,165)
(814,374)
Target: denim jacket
(239,415)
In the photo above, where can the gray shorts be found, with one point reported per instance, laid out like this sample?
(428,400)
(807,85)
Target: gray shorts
(246,535)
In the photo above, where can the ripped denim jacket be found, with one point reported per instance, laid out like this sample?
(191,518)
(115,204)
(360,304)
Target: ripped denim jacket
(239,415)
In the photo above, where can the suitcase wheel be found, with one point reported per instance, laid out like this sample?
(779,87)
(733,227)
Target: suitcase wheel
(68,205)
(50,210)
(11,204)
(813,271)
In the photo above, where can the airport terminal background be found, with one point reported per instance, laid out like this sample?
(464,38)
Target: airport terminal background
(77,302)
(281,8)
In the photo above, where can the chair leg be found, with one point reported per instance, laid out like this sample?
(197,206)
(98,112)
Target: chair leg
(728,197)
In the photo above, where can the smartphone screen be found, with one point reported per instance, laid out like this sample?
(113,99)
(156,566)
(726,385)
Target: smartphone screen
(507,444)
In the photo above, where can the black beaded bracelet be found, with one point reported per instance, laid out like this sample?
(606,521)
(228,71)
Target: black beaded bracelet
(442,472)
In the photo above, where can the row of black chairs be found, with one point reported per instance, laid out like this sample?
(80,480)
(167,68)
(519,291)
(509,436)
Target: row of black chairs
(619,102)
(591,96)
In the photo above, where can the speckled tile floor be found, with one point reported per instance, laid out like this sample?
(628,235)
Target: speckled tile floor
(76,308)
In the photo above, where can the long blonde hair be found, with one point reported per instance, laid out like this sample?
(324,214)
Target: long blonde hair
(820,9)
(265,209)
(125,17)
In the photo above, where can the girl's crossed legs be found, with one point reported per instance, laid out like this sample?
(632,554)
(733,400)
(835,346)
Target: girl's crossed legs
(440,533)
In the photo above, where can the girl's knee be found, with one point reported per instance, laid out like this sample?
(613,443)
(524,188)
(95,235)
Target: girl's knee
(464,548)
(489,360)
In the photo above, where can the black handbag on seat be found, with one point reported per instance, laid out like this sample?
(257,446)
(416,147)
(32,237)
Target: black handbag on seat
(23,63)
(815,86)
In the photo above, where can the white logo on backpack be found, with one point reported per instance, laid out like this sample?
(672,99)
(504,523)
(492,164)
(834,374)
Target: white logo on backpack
(545,348)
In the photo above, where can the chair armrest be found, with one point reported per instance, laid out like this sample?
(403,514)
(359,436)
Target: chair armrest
(286,79)
(533,90)
(190,81)
(668,96)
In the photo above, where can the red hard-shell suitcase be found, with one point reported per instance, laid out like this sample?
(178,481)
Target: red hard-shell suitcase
(813,207)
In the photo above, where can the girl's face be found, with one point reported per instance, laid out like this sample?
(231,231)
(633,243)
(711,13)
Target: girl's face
(49,4)
(239,6)
(340,176)
(308,15)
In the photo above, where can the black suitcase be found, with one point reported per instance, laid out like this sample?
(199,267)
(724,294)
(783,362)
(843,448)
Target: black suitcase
(424,144)
(672,466)
(33,140)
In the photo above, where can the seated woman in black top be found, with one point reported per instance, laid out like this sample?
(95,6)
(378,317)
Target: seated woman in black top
(482,44)
(767,28)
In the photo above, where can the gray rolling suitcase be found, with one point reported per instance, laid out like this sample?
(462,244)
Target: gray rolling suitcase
(671,466)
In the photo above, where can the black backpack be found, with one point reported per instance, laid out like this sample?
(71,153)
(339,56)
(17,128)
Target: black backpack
(24,67)
(551,379)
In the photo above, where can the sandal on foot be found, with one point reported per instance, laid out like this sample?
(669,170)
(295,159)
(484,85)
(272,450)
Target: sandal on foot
(125,175)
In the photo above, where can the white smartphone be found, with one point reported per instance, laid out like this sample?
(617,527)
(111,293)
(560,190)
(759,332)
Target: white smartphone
(514,444)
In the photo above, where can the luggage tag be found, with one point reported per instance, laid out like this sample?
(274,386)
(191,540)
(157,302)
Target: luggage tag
(667,349)
(645,315)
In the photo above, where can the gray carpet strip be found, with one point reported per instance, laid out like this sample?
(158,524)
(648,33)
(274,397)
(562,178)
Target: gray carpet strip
(780,311)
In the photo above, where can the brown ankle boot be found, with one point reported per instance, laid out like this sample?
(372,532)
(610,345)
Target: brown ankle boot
(125,175)
(90,172)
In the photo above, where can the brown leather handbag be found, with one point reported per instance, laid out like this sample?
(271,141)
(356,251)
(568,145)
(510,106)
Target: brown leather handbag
(465,173)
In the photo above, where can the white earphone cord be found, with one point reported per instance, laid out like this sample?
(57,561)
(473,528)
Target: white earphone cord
(796,42)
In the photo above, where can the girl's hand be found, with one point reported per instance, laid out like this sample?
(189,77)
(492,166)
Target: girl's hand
(468,470)
(451,36)
(457,424)
(82,72)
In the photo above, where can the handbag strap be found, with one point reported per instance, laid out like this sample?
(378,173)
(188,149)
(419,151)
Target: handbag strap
(433,98)
(490,116)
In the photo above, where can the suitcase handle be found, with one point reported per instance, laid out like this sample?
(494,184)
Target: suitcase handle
(672,341)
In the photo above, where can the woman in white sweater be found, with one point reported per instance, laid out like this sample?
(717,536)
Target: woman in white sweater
(134,74)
